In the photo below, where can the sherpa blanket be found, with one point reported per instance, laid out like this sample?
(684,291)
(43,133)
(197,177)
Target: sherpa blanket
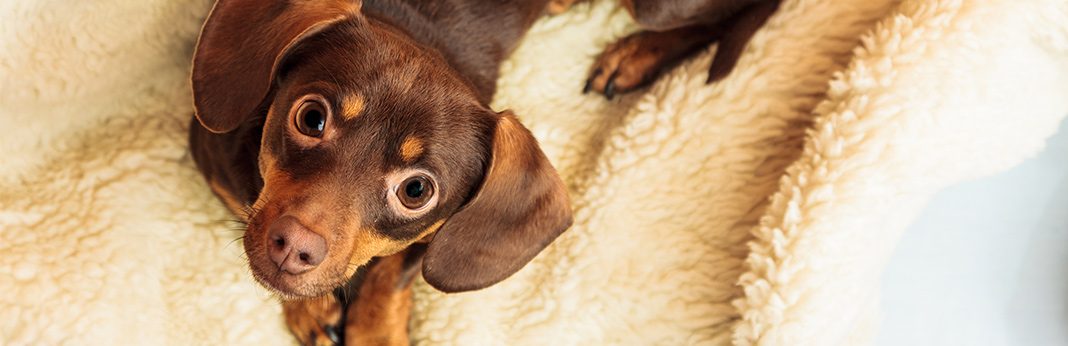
(757,210)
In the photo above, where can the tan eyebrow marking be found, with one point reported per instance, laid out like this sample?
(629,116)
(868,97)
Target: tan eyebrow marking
(351,106)
(411,148)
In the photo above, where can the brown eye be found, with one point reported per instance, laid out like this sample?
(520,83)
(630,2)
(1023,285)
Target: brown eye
(415,192)
(311,118)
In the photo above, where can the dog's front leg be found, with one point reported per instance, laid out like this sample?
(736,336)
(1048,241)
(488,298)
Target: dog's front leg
(377,305)
(381,308)
(314,321)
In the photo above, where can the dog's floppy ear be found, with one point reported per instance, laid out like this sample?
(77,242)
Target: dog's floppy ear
(239,49)
(520,208)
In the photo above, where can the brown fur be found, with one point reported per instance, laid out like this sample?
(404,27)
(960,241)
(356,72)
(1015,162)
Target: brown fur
(637,59)
(308,319)
(404,86)
(380,315)
(455,261)
(673,31)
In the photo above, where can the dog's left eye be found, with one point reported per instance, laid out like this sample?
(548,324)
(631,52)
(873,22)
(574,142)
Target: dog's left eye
(415,192)
(311,118)
(412,192)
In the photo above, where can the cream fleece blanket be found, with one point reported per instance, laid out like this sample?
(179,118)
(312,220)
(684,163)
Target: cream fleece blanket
(757,210)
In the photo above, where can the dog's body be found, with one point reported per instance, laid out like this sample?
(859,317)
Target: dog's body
(356,141)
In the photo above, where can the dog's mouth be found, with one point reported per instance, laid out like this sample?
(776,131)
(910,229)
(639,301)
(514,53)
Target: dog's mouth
(290,286)
(292,260)
(297,251)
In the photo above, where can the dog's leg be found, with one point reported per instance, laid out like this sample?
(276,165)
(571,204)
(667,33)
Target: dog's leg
(377,304)
(314,321)
(379,313)
(739,30)
(636,60)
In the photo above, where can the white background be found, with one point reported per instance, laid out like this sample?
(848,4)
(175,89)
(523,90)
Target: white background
(986,263)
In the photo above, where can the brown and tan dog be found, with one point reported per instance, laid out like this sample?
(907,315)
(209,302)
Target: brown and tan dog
(355,140)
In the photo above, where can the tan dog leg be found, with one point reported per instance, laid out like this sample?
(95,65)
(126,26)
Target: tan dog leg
(377,312)
(379,316)
(313,321)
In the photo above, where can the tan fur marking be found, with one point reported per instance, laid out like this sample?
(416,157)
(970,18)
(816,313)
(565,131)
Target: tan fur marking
(306,318)
(397,246)
(411,148)
(560,6)
(351,107)
(426,236)
(368,244)
(380,316)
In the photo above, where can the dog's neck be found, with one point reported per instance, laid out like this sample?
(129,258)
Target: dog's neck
(473,39)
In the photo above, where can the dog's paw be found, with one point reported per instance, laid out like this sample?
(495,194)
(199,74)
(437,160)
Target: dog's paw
(556,7)
(635,61)
(314,321)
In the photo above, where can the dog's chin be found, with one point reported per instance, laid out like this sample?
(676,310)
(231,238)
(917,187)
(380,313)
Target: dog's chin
(314,283)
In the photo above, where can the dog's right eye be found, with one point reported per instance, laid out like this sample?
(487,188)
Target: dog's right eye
(311,118)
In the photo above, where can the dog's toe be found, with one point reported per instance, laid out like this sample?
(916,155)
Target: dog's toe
(628,64)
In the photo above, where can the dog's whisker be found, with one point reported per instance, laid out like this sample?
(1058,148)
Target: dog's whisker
(231,243)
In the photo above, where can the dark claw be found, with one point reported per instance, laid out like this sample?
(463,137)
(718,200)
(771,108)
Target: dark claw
(610,89)
(589,82)
(331,332)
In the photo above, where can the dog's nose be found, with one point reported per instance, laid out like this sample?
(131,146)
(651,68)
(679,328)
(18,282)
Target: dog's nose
(293,247)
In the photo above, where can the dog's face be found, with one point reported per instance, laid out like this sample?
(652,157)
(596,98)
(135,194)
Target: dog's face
(370,143)
(366,144)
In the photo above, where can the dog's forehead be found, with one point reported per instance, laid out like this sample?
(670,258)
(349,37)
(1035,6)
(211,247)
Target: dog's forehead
(396,106)
(375,61)
(376,130)
(390,103)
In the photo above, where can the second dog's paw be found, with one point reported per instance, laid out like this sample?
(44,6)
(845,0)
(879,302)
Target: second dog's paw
(314,321)
(636,60)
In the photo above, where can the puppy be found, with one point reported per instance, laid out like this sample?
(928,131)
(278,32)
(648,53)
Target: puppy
(355,140)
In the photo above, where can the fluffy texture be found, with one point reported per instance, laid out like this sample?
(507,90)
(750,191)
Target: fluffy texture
(758,210)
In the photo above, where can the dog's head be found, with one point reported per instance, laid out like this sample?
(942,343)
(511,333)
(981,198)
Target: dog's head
(370,143)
